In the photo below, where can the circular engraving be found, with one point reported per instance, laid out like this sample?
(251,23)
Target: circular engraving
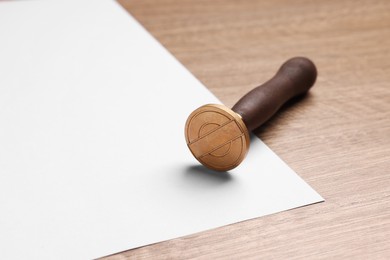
(217,137)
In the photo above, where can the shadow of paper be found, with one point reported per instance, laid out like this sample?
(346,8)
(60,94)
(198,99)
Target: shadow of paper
(199,173)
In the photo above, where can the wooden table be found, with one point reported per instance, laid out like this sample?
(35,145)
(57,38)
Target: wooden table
(337,138)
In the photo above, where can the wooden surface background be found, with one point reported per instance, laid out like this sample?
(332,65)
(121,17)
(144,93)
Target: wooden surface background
(337,138)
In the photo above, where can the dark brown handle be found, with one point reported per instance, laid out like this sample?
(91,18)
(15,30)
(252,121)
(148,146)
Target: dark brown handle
(295,77)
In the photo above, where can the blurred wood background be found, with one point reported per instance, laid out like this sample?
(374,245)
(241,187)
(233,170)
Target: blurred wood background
(337,138)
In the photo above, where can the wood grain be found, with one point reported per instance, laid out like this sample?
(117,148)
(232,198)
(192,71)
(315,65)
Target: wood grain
(337,138)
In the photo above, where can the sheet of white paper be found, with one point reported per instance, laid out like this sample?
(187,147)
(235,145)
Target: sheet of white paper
(92,153)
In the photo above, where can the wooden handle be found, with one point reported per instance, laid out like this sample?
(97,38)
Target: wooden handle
(295,77)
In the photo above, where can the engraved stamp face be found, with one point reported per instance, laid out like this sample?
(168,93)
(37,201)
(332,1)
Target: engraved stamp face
(217,137)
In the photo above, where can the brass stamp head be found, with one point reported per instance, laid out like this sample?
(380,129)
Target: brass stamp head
(217,137)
